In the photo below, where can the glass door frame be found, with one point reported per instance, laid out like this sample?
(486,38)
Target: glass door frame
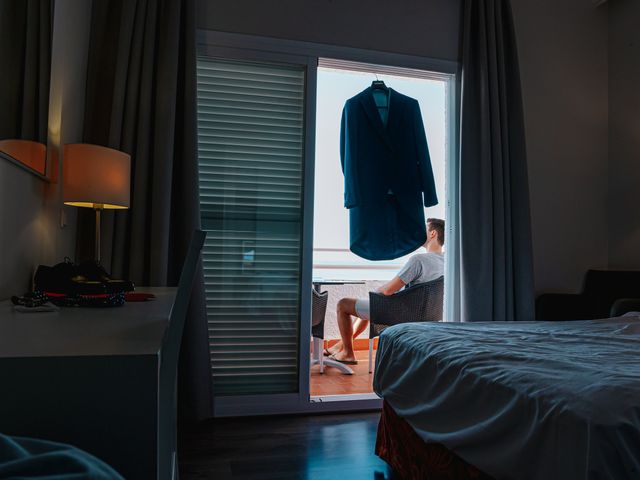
(241,47)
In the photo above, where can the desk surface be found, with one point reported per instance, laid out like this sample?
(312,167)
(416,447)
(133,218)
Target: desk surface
(136,328)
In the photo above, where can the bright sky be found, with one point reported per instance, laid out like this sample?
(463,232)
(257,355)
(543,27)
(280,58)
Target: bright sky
(331,219)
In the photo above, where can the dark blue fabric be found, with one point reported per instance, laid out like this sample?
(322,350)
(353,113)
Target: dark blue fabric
(45,460)
(387,229)
(496,253)
(377,160)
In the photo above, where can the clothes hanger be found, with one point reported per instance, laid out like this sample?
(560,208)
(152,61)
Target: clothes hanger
(378,84)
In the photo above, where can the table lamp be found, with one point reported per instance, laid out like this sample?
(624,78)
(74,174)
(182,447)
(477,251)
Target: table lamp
(96,177)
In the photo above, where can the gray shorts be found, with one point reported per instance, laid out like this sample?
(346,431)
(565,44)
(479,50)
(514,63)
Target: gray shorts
(362,308)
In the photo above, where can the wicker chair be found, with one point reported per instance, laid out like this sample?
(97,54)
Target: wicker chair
(318,311)
(419,303)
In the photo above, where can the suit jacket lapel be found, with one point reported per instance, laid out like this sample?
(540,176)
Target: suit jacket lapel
(370,108)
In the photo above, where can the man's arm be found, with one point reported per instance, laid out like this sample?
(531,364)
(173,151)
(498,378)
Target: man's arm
(392,286)
(407,274)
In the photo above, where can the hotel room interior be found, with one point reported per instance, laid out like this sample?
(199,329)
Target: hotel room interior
(179,329)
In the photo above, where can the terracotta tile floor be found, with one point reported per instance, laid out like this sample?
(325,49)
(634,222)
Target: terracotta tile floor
(334,382)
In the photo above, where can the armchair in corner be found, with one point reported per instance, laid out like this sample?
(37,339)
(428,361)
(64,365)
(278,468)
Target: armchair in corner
(600,291)
(625,305)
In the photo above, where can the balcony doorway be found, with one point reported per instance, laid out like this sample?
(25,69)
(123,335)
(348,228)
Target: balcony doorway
(336,270)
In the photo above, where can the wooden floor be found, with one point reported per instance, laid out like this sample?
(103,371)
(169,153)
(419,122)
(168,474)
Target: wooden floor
(321,447)
(334,382)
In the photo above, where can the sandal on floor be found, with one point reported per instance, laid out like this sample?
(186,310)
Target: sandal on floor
(346,362)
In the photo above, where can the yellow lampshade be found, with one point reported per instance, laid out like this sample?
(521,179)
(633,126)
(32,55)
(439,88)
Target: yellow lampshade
(96,177)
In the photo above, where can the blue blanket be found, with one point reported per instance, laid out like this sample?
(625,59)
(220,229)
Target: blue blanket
(521,400)
(45,460)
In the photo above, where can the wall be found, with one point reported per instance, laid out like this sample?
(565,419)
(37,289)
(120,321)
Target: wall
(566,52)
(22,227)
(624,134)
(411,27)
(563,59)
(563,64)
(30,209)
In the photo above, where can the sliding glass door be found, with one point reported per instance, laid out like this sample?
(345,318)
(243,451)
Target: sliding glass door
(251,125)
(258,120)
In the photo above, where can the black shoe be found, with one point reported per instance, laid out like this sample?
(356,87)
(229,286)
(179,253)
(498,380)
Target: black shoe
(94,271)
(64,279)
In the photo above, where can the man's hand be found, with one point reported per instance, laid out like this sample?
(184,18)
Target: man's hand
(391,286)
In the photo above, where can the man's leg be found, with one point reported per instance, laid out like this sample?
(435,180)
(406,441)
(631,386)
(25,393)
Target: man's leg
(359,326)
(346,308)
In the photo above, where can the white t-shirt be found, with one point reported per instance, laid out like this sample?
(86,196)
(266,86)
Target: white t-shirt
(421,268)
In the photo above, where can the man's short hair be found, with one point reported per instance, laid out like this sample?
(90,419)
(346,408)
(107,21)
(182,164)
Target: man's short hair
(437,224)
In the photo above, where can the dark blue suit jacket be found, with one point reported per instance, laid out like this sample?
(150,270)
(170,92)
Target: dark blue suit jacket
(377,160)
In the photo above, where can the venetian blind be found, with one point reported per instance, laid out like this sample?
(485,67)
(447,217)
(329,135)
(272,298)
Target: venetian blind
(250,153)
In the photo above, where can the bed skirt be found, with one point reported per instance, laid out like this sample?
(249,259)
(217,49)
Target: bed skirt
(413,459)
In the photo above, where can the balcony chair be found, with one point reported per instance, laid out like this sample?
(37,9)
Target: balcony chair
(419,303)
(318,312)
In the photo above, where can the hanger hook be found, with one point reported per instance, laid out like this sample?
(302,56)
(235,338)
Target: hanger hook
(377,77)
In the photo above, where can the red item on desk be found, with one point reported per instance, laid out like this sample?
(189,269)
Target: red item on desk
(138,297)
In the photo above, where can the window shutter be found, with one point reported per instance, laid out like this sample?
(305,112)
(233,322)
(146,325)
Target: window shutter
(250,153)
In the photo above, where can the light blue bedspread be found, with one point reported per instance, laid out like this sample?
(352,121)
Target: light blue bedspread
(521,400)
(29,458)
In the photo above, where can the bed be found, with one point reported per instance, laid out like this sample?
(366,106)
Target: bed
(518,400)
(22,457)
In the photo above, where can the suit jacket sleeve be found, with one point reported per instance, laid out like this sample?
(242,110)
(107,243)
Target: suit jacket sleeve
(342,139)
(424,160)
(348,159)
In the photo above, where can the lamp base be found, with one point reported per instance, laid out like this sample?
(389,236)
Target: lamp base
(98,210)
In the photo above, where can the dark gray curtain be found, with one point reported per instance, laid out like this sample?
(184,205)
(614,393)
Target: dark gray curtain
(141,99)
(495,227)
(25,59)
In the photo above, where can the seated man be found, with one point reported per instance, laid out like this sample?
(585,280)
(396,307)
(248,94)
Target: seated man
(420,268)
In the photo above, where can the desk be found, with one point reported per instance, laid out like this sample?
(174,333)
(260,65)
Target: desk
(87,377)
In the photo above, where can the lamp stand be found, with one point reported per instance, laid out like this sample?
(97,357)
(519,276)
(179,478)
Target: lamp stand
(98,209)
